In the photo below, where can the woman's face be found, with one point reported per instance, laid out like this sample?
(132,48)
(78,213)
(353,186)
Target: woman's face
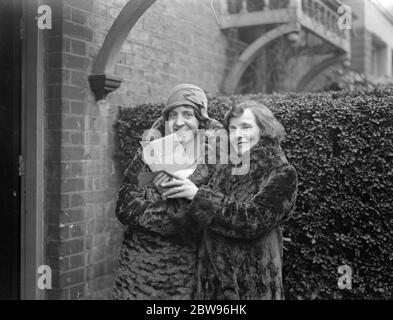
(244,132)
(182,121)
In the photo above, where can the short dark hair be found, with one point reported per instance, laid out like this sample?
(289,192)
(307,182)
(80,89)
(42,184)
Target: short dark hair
(267,122)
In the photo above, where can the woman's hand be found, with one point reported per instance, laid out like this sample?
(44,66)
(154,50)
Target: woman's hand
(161,178)
(180,188)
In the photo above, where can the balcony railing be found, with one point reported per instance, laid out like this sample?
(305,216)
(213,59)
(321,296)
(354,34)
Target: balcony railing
(237,6)
(322,14)
(314,15)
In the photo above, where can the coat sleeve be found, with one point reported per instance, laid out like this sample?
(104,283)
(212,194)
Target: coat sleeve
(252,219)
(141,207)
(199,177)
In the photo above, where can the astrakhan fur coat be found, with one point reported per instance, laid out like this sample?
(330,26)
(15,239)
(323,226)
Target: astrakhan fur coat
(156,261)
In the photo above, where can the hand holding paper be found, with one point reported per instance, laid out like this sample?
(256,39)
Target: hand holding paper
(154,179)
(166,155)
(183,188)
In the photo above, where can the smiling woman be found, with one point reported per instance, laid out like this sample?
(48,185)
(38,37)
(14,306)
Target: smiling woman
(240,256)
(183,121)
(155,263)
(248,121)
(244,132)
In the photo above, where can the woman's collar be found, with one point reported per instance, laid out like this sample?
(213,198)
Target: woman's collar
(261,146)
(264,148)
(265,142)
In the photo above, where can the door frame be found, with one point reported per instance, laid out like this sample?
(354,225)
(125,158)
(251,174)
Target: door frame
(32,182)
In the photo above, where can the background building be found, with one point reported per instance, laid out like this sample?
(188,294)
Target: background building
(372,45)
(62,87)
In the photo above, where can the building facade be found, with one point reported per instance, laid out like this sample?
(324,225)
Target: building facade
(65,82)
(372,44)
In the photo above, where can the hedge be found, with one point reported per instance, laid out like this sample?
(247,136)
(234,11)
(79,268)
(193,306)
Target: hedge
(341,144)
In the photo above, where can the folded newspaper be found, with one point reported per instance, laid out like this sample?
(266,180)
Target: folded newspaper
(168,155)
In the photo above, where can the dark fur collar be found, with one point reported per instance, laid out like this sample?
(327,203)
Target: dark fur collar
(266,153)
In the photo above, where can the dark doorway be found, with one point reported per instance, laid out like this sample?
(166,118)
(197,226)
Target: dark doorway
(10,137)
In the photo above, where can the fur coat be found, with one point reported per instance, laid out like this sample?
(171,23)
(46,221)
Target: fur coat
(241,254)
(156,262)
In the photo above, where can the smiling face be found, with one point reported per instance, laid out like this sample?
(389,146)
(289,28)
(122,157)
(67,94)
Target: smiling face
(183,122)
(244,131)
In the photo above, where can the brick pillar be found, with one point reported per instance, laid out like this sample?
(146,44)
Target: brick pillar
(81,231)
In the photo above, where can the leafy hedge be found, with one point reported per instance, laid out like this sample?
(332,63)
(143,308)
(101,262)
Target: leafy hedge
(341,143)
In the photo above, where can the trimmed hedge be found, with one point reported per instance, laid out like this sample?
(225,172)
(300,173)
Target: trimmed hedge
(341,143)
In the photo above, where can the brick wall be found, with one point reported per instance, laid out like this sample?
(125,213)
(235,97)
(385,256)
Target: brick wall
(175,41)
